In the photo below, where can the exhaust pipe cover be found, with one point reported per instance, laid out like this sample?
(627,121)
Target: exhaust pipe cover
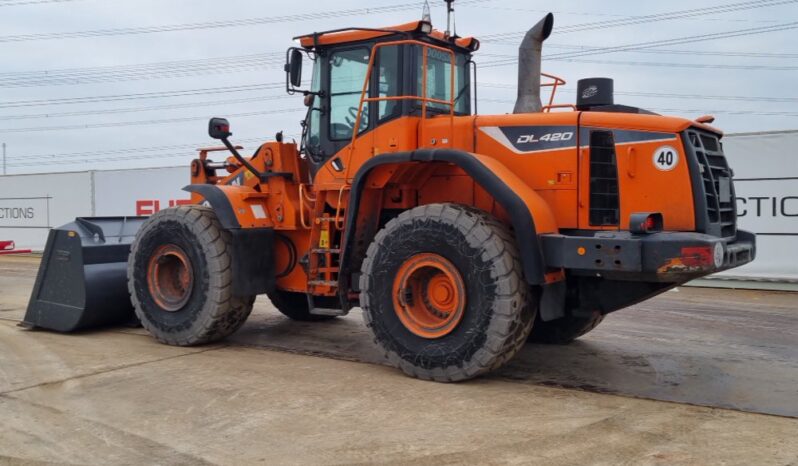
(529,66)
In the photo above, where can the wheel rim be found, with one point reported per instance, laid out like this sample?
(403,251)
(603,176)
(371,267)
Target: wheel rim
(429,295)
(170,278)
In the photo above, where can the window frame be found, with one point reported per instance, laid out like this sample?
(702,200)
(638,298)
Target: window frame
(416,62)
(329,98)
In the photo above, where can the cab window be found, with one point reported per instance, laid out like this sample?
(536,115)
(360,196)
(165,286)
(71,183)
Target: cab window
(439,82)
(314,114)
(389,81)
(347,74)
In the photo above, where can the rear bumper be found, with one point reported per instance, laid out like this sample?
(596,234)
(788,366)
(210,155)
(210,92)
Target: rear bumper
(672,257)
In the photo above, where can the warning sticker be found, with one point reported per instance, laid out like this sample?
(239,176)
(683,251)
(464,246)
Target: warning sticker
(666,158)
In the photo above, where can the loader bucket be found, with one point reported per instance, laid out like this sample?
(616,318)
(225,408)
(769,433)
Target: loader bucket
(82,279)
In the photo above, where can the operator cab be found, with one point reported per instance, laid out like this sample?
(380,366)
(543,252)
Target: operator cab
(341,61)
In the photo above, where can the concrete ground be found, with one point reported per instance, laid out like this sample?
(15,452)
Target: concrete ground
(285,392)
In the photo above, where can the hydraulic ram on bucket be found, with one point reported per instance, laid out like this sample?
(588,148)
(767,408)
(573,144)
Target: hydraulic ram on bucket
(82,280)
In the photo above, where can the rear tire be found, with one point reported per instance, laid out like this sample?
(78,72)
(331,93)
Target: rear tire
(180,278)
(295,306)
(443,293)
(564,330)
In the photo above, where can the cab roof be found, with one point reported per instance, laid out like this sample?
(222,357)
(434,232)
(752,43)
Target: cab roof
(355,34)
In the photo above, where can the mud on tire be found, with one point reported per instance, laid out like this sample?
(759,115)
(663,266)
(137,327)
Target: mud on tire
(497,316)
(208,311)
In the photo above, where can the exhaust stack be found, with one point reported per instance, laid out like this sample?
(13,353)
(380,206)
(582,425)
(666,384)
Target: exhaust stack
(529,66)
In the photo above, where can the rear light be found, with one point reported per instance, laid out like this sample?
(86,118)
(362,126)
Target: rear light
(645,223)
(698,256)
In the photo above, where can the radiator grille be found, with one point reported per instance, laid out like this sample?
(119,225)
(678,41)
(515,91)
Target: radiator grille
(604,201)
(716,181)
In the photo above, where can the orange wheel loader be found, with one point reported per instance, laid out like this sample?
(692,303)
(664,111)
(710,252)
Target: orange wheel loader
(461,236)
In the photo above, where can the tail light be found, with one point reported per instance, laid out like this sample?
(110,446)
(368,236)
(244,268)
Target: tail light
(645,223)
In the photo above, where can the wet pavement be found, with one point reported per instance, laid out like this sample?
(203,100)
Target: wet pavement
(735,349)
(286,392)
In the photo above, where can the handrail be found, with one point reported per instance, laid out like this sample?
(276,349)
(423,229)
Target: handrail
(339,223)
(556,82)
(302,197)
(423,98)
(548,108)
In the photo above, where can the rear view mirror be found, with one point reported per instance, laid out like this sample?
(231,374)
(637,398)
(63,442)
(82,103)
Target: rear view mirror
(219,128)
(294,68)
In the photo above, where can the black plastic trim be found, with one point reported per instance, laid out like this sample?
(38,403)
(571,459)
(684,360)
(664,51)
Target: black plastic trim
(699,193)
(221,205)
(252,261)
(625,256)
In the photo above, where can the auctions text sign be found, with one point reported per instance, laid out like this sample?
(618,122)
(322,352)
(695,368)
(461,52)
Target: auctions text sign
(24,212)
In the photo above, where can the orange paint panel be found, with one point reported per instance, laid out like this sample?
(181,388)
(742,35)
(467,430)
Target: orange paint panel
(442,188)
(563,205)
(444,132)
(641,122)
(545,221)
(354,35)
(645,188)
(250,211)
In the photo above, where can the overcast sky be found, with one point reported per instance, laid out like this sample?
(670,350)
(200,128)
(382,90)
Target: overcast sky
(748,81)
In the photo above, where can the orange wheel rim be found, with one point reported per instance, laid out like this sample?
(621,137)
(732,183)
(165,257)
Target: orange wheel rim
(429,295)
(169,277)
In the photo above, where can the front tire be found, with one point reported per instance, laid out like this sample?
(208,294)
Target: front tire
(443,293)
(180,278)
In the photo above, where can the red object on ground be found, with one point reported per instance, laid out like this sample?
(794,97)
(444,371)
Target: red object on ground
(7,247)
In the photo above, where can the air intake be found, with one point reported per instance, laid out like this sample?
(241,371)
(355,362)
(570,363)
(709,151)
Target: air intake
(594,92)
(604,200)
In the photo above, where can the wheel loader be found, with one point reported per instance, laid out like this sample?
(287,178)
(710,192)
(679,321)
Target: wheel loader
(461,236)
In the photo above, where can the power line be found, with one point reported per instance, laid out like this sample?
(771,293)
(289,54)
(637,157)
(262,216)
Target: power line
(690,111)
(60,159)
(676,15)
(594,14)
(218,24)
(132,150)
(671,96)
(138,67)
(513,60)
(140,96)
(658,51)
(137,123)
(245,88)
(683,40)
(666,42)
(140,72)
(281,97)
(33,2)
(146,109)
(634,20)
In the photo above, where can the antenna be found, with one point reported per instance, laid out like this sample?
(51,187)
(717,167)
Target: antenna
(449,11)
(425,15)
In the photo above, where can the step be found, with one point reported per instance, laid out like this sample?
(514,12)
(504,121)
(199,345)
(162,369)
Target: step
(325,251)
(332,283)
(323,311)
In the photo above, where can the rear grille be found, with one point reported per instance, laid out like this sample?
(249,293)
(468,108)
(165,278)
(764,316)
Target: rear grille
(604,201)
(715,182)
